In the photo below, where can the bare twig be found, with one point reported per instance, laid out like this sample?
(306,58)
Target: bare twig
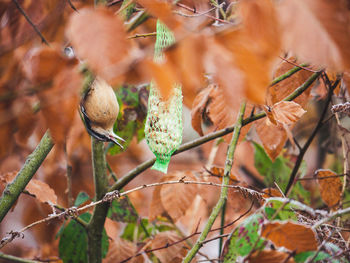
(310,139)
(21,10)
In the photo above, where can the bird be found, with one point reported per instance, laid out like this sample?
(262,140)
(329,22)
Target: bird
(99,107)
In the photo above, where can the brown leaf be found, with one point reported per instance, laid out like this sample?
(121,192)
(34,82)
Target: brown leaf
(119,250)
(330,188)
(102,44)
(219,172)
(171,254)
(42,191)
(286,112)
(271,192)
(60,102)
(272,137)
(211,106)
(270,256)
(198,109)
(295,237)
(162,10)
(281,90)
(318,31)
(156,207)
(177,198)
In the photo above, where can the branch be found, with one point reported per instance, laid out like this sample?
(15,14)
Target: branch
(73,211)
(288,74)
(32,164)
(309,141)
(331,217)
(187,237)
(211,136)
(223,196)
(96,224)
(17,259)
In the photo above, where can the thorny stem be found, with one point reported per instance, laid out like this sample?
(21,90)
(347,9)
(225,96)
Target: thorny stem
(223,196)
(309,141)
(96,224)
(144,166)
(32,164)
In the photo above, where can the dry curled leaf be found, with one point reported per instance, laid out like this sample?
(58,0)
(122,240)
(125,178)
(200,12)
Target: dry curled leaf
(119,250)
(174,199)
(172,254)
(285,113)
(42,191)
(330,188)
(293,236)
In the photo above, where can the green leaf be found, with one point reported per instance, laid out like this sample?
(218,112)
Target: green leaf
(132,116)
(81,199)
(304,256)
(122,210)
(278,210)
(283,208)
(73,242)
(279,171)
(245,238)
(136,231)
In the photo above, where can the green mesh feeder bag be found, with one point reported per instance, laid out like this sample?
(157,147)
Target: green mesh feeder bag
(163,129)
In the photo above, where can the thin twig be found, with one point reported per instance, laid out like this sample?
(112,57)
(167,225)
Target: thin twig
(207,15)
(187,237)
(153,34)
(310,139)
(331,217)
(300,66)
(73,212)
(20,9)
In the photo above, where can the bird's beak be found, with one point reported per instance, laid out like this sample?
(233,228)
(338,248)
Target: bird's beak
(114,138)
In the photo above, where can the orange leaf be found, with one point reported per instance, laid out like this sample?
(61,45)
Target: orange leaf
(162,10)
(286,112)
(60,102)
(330,188)
(102,44)
(272,137)
(120,249)
(198,109)
(171,254)
(295,237)
(41,64)
(281,90)
(254,47)
(177,198)
(187,60)
(314,34)
(43,192)
(270,256)
(271,192)
(219,172)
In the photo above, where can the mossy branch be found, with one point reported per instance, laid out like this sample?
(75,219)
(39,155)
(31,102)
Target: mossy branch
(224,190)
(96,224)
(32,164)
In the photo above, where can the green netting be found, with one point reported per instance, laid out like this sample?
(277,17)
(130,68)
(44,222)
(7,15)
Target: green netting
(163,129)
